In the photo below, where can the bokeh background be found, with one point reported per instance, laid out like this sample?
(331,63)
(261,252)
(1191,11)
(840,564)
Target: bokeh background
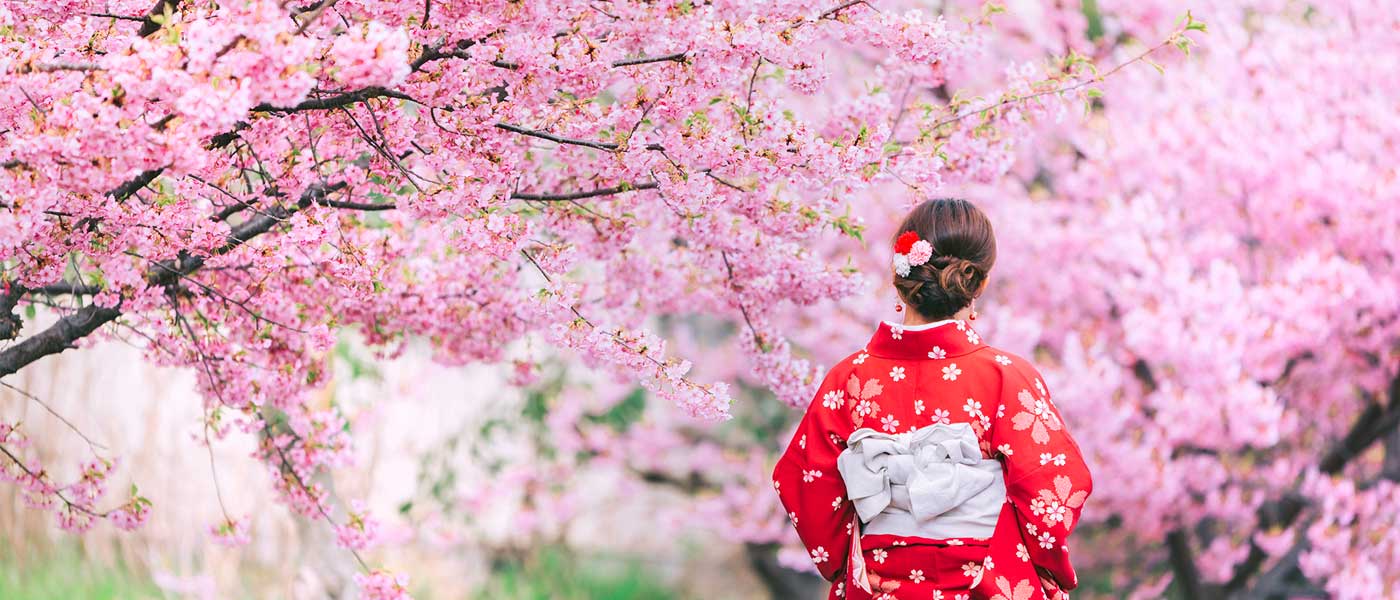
(1201,256)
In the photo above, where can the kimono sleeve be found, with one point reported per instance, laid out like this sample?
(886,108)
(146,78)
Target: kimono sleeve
(1047,480)
(808,484)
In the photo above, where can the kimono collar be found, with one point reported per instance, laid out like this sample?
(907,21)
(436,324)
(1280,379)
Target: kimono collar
(941,339)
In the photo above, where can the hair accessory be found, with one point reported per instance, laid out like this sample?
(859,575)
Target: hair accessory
(910,251)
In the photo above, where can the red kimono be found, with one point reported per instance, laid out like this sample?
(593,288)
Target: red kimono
(907,379)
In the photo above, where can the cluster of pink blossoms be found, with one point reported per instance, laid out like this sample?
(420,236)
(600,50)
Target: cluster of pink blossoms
(233,184)
(75,505)
(382,585)
(231,533)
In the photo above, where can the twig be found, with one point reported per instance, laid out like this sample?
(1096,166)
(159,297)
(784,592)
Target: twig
(586,194)
(91,444)
(679,57)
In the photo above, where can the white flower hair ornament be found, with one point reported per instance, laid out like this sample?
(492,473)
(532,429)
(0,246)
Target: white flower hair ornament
(910,251)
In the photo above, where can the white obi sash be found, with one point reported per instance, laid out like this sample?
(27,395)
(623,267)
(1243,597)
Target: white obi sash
(931,482)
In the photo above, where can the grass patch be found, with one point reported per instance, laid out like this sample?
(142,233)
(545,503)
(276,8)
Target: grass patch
(554,574)
(65,574)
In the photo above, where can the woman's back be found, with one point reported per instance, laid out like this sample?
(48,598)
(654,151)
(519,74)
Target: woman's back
(921,381)
(930,464)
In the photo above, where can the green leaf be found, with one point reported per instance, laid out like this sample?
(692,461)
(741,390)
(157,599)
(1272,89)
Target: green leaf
(1191,23)
(1094,30)
(623,414)
(846,226)
(1160,69)
(536,406)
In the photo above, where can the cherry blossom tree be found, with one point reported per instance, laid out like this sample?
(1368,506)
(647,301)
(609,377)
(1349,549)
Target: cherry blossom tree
(1220,317)
(228,185)
(1224,310)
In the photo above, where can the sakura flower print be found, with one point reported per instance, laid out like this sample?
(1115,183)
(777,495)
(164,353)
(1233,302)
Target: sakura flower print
(973,496)
(938,491)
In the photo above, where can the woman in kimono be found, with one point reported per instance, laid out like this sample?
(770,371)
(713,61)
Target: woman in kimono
(931,464)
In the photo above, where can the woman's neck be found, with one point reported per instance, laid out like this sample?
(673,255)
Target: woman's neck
(912,318)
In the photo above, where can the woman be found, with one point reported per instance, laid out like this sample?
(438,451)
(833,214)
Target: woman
(931,464)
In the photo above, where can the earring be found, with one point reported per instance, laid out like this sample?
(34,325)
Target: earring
(973,315)
(898,306)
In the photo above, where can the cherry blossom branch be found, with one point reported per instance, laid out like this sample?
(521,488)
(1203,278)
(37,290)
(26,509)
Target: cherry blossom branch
(61,335)
(94,446)
(118,17)
(287,467)
(607,191)
(315,14)
(336,101)
(59,65)
(834,12)
(679,57)
(360,206)
(616,335)
(1184,565)
(227,301)
(550,197)
(66,289)
(218,385)
(155,17)
(729,269)
(57,491)
(1374,422)
(125,190)
(544,135)
(1173,39)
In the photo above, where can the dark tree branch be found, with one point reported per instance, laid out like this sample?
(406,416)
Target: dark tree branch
(362,206)
(67,289)
(679,57)
(10,323)
(125,190)
(118,17)
(1185,574)
(149,25)
(1390,465)
(336,101)
(432,53)
(545,135)
(57,338)
(608,191)
(834,12)
(782,583)
(61,335)
(1284,580)
(1376,421)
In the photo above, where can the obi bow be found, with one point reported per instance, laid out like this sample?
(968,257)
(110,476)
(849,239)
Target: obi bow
(926,472)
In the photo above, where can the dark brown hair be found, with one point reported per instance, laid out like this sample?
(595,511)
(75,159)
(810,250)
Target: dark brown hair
(964,249)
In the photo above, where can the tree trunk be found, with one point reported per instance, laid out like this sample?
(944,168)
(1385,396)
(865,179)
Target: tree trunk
(783,583)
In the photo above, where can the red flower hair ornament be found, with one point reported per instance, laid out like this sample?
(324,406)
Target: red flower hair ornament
(910,251)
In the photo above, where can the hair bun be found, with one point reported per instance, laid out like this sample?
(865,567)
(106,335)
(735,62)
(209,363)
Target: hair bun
(964,250)
(959,277)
